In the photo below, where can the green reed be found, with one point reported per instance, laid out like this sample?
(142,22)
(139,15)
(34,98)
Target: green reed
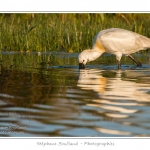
(62,32)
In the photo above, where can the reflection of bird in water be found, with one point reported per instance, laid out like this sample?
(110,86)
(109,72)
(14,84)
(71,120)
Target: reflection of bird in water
(115,94)
(115,41)
(91,81)
(128,89)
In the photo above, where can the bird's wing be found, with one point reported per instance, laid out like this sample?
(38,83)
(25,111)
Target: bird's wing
(123,41)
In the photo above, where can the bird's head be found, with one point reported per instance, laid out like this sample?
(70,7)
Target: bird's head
(88,55)
(83,58)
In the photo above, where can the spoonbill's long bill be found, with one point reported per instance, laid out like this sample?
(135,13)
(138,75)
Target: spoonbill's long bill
(115,41)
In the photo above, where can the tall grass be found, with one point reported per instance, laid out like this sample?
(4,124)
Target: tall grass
(62,32)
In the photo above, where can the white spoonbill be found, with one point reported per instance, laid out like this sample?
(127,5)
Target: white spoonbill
(115,41)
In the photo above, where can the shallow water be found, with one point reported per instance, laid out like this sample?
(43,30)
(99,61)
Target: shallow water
(40,98)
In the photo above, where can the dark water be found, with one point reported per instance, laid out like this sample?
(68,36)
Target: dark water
(40,98)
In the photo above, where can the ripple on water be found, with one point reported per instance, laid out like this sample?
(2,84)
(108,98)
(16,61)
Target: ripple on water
(66,101)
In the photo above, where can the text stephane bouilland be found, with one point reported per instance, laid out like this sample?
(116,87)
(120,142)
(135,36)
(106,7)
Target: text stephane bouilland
(75,143)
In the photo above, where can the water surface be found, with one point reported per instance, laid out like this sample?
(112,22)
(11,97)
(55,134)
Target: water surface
(47,95)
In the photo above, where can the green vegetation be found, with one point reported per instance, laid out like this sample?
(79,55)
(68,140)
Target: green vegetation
(62,32)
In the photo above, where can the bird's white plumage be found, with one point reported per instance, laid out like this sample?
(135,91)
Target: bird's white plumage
(115,41)
(124,41)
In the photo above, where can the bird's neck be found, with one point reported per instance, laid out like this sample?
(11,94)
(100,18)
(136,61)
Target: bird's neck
(98,46)
(95,53)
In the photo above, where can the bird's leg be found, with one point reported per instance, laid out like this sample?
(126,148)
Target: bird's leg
(119,65)
(137,62)
(118,57)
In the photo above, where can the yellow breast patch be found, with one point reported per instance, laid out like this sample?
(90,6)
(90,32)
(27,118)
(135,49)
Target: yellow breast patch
(98,45)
